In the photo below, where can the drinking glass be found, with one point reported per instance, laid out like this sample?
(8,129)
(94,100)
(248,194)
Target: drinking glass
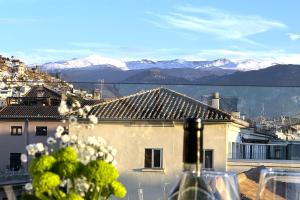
(209,185)
(224,185)
(279,185)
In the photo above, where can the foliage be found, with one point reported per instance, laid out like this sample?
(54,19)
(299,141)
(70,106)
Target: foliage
(72,168)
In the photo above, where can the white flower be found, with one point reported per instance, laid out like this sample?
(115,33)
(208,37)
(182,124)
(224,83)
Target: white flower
(40,147)
(65,138)
(59,131)
(77,104)
(28,186)
(31,149)
(93,119)
(91,151)
(24,158)
(80,111)
(57,134)
(63,183)
(101,154)
(73,138)
(109,158)
(72,119)
(87,108)
(63,108)
(51,140)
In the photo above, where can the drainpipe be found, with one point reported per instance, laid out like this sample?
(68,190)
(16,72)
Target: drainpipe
(26,133)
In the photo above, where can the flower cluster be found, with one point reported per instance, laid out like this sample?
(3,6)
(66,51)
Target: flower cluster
(70,167)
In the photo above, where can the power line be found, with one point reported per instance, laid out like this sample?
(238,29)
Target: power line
(146,83)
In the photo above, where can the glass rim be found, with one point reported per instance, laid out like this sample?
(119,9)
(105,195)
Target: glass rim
(280,171)
(211,173)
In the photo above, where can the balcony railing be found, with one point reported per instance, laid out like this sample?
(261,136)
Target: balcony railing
(14,177)
(263,151)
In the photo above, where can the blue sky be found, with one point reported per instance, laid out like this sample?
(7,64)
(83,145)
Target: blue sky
(46,30)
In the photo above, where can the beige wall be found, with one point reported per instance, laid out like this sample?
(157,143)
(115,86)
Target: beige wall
(131,140)
(16,144)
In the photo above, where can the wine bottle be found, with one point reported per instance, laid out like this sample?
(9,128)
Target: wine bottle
(191,186)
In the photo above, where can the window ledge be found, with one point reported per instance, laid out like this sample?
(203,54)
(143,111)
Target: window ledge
(153,170)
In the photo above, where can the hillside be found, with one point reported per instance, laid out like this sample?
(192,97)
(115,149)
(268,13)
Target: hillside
(17,78)
(278,75)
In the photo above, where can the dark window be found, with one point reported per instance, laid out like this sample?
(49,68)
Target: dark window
(16,130)
(15,161)
(208,159)
(148,158)
(153,158)
(41,130)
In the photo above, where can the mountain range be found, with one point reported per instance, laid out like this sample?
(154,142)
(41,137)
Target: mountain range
(202,77)
(216,72)
(103,62)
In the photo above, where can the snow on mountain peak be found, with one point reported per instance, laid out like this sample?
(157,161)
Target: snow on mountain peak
(247,65)
(91,60)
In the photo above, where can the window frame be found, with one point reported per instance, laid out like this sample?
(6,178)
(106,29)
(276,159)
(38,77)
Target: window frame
(16,132)
(153,159)
(16,166)
(39,134)
(212,158)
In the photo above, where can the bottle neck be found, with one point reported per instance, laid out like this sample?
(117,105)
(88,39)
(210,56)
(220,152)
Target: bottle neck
(191,167)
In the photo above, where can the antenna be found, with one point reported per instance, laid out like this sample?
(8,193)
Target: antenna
(100,87)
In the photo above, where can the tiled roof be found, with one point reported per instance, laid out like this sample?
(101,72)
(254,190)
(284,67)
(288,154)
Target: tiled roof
(35,112)
(46,92)
(90,102)
(157,104)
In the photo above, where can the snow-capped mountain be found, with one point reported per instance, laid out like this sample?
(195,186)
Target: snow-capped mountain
(239,65)
(93,60)
(247,65)
(104,62)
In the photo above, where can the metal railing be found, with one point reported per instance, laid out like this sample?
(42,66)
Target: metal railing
(262,151)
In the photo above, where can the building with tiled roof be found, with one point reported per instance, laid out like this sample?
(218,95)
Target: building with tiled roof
(42,91)
(27,120)
(37,95)
(158,104)
(30,112)
(147,130)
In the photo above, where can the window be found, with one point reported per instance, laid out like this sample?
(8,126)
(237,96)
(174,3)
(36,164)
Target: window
(208,159)
(153,158)
(41,131)
(16,130)
(15,161)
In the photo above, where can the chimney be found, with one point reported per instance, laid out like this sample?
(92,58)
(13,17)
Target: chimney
(97,94)
(215,102)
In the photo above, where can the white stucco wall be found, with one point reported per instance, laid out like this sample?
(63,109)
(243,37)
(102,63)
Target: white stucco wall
(131,140)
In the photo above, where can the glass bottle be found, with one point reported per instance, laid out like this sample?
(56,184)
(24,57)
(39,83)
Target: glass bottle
(191,186)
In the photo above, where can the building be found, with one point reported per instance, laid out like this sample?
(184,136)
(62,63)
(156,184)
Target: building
(146,129)
(27,120)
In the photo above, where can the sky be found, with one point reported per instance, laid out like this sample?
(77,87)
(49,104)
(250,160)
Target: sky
(39,31)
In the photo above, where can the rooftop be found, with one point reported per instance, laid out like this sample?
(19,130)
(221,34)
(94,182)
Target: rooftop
(157,104)
(42,91)
(32,112)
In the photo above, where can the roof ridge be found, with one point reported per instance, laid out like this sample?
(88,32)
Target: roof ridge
(45,87)
(191,98)
(126,97)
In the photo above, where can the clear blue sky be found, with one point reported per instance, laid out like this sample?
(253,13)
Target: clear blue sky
(45,30)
